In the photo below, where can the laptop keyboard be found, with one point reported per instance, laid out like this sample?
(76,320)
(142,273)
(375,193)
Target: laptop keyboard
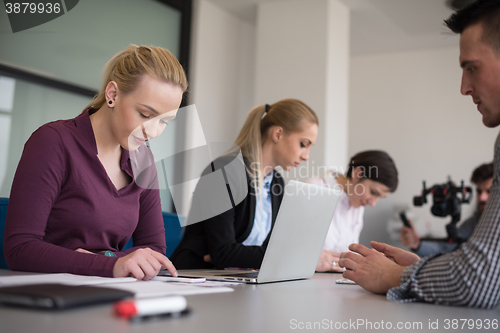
(247,275)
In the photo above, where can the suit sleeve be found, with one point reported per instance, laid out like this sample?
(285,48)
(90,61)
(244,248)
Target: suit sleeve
(224,250)
(220,230)
(469,276)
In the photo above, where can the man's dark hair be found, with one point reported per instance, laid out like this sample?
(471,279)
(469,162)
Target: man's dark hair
(482,173)
(485,11)
(376,165)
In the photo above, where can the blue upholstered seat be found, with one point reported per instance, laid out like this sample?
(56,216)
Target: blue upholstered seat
(173,232)
(3,214)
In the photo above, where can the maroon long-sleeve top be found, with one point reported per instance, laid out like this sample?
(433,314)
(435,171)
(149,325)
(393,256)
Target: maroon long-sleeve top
(62,199)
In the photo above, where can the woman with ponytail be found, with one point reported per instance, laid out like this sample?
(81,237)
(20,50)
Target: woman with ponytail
(75,200)
(280,134)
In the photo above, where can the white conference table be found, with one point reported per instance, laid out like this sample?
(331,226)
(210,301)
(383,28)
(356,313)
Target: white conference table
(317,303)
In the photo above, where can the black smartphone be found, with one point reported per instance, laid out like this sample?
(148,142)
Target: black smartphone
(403,217)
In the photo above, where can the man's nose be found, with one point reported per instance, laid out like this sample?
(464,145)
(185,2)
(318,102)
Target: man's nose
(483,196)
(465,87)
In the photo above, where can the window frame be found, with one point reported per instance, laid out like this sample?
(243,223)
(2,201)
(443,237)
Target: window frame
(185,8)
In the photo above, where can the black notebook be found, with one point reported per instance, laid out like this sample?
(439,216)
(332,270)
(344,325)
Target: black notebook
(59,296)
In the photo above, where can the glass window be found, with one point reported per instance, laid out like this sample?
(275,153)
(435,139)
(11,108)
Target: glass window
(32,106)
(73,48)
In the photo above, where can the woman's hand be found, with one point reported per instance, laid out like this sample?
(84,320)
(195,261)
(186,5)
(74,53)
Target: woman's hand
(143,264)
(409,236)
(84,251)
(328,262)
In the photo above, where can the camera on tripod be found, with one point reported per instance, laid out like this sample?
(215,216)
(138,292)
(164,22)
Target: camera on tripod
(447,199)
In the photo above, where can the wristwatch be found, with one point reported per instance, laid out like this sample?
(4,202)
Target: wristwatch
(107,253)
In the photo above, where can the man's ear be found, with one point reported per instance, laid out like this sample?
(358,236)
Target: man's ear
(276,134)
(111,91)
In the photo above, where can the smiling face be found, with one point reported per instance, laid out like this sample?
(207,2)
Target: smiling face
(292,148)
(481,74)
(365,191)
(142,114)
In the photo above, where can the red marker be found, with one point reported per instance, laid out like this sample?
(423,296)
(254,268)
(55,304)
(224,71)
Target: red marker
(150,307)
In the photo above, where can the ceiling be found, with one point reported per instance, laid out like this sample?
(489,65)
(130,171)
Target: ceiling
(379,26)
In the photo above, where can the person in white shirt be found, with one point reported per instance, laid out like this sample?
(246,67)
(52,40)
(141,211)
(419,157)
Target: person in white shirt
(371,175)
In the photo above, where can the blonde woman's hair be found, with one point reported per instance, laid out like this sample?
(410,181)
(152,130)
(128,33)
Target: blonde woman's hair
(290,114)
(128,66)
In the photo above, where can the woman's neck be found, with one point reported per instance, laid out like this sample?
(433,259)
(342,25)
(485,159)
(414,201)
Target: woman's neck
(101,125)
(345,183)
(268,164)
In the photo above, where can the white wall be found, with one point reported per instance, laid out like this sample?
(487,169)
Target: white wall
(406,103)
(222,75)
(302,53)
(409,104)
(337,86)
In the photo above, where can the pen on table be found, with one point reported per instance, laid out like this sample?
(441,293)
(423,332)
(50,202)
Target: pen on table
(141,308)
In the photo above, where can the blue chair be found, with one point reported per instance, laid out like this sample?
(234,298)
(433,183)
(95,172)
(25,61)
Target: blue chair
(3,214)
(173,232)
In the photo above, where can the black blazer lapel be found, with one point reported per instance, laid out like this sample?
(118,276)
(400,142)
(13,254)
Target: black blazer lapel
(251,214)
(277,192)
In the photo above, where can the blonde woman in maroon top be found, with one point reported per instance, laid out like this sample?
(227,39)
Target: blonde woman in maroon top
(74,193)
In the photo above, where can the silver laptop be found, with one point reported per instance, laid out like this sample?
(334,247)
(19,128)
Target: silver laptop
(296,240)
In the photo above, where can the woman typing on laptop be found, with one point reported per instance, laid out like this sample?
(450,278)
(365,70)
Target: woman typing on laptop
(75,193)
(280,134)
(371,175)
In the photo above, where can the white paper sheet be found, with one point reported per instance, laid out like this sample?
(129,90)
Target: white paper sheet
(141,289)
(145,289)
(62,278)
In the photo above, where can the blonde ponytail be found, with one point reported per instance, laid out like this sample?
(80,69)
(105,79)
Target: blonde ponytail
(290,114)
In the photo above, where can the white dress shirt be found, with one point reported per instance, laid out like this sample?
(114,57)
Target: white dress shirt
(263,215)
(347,220)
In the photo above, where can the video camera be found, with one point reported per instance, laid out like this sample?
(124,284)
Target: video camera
(446,200)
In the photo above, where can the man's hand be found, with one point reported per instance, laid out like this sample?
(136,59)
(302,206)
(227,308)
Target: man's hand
(409,236)
(329,262)
(143,264)
(399,256)
(370,269)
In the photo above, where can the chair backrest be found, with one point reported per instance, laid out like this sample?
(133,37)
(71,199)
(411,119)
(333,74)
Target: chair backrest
(173,232)
(3,214)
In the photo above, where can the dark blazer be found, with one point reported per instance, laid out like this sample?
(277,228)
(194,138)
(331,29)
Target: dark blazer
(222,236)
